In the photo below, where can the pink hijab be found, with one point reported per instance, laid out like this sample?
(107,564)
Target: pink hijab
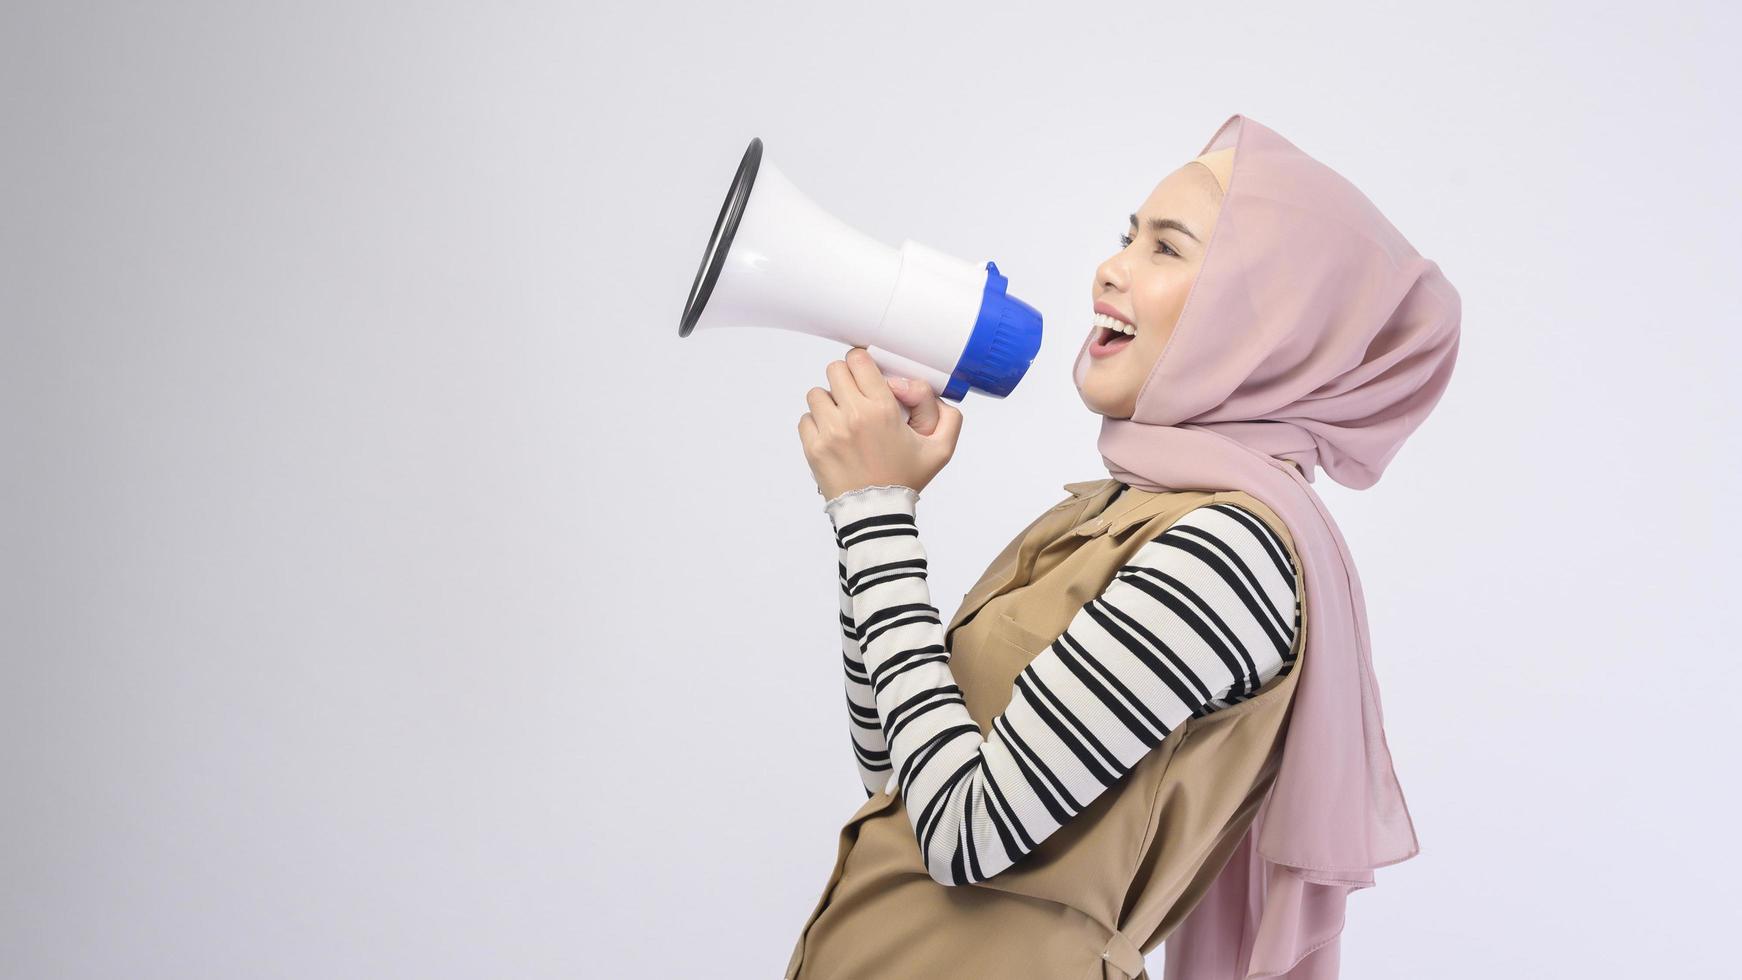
(1314,333)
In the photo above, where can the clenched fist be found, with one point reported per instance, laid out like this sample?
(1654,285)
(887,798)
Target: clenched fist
(854,436)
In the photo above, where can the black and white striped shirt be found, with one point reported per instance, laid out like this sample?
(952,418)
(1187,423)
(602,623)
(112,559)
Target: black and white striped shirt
(1200,618)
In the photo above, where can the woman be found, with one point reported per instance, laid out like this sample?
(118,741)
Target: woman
(1154,717)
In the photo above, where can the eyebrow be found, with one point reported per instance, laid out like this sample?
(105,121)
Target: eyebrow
(1162,224)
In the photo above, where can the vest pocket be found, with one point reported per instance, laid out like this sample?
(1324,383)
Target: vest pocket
(1022,637)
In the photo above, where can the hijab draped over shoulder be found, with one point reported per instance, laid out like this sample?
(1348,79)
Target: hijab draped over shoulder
(1314,335)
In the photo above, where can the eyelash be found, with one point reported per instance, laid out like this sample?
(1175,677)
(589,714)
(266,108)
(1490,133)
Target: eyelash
(1126,240)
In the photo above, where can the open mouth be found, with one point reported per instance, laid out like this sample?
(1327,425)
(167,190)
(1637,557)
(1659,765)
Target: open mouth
(1110,336)
(1113,338)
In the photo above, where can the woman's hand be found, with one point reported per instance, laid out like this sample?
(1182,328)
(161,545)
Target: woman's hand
(854,437)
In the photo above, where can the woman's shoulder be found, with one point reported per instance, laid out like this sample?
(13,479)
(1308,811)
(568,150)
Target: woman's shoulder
(1158,514)
(1237,519)
(1255,508)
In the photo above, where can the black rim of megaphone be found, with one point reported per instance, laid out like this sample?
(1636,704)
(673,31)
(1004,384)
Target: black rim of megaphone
(720,243)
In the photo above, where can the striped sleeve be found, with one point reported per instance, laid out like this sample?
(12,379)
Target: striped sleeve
(870,750)
(1200,618)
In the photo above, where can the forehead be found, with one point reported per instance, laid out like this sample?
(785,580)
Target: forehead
(1189,195)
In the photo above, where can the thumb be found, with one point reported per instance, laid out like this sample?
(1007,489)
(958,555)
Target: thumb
(921,404)
(949,426)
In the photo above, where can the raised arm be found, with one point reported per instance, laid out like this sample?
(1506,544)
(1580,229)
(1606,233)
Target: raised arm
(870,749)
(1199,619)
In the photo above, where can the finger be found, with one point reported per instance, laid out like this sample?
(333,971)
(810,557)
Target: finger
(922,406)
(869,376)
(842,385)
(824,410)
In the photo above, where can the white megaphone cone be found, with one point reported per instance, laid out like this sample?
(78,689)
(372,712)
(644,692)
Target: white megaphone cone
(777,260)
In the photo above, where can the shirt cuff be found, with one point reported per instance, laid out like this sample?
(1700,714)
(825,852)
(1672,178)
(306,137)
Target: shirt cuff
(871,501)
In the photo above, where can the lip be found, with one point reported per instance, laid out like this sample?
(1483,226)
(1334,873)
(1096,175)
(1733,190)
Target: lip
(1101,307)
(1099,350)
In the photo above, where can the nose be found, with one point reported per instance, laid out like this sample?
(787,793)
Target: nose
(1110,275)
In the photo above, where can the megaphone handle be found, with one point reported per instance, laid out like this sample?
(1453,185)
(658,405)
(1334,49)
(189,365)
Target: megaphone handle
(894,365)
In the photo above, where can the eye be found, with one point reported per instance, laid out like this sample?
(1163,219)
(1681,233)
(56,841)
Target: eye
(1126,240)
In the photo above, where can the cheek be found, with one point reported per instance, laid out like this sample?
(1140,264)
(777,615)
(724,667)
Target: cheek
(1159,302)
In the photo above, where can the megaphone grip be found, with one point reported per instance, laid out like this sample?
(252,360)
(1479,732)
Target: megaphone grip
(895,365)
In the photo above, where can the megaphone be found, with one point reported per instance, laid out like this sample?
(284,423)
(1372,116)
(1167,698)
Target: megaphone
(778,260)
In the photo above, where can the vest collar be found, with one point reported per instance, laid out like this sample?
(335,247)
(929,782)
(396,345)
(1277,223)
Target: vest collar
(1088,488)
(1086,493)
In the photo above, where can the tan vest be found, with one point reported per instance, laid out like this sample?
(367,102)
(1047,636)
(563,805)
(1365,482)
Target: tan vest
(1117,878)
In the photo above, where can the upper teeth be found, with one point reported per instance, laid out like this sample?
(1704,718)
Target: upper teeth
(1103,320)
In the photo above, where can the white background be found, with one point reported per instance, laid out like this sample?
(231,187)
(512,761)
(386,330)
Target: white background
(387,590)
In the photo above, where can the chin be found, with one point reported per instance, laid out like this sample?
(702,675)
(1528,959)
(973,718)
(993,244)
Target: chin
(1101,404)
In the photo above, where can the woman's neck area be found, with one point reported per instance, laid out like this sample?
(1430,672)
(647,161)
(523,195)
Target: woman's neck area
(1123,486)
